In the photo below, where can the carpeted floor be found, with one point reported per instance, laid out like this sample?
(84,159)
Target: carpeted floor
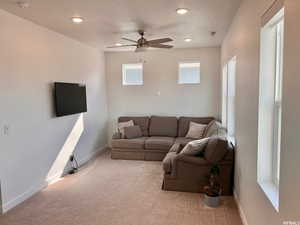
(118,192)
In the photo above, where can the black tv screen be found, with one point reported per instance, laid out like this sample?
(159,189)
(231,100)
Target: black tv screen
(69,98)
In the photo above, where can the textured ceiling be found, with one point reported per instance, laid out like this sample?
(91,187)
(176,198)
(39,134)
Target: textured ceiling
(106,21)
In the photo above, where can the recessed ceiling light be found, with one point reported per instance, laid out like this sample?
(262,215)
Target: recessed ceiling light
(77,19)
(118,44)
(182,11)
(187,39)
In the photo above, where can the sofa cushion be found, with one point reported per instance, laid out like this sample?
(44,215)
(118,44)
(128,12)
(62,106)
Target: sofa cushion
(195,148)
(136,143)
(216,149)
(183,140)
(132,132)
(196,130)
(184,123)
(168,161)
(159,143)
(143,122)
(163,126)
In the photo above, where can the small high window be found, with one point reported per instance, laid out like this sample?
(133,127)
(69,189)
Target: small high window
(132,74)
(189,73)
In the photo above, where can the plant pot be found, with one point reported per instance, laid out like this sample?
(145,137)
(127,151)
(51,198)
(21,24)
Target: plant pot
(212,201)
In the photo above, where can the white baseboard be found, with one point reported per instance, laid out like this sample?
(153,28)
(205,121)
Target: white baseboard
(22,197)
(90,156)
(241,211)
(38,187)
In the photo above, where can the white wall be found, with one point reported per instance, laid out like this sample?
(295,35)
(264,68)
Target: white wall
(161,75)
(243,40)
(32,58)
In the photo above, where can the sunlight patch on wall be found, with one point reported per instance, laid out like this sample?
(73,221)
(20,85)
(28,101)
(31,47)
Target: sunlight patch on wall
(68,148)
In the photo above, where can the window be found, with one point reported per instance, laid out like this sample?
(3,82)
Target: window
(132,74)
(270,106)
(228,98)
(189,73)
(224,96)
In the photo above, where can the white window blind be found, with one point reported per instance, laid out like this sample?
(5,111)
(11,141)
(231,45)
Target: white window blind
(189,73)
(224,96)
(231,98)
(132,74)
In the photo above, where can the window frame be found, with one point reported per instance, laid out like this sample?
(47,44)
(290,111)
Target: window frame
(229,99)
(189,62)
(270,106)
(124,70)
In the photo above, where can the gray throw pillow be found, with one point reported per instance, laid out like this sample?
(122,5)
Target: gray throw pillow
(132,132)
(196,130)
(196,147)
(212,129)
(216,149)
(122,125)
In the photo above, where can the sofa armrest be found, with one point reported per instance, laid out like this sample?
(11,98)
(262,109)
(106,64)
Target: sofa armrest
(184,164)
(200,161)
(116,135)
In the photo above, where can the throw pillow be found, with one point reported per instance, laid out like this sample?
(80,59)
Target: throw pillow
(216,149)
(132,132)
(196,147)
(212,129)
(196,130)
(122,125)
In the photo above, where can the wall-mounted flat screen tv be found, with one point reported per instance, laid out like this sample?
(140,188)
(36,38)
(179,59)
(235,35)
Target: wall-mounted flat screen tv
(69,98)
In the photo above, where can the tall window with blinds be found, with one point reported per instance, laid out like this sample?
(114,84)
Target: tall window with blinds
(270,102)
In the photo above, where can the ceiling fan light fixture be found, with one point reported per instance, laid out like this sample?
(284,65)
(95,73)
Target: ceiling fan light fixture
(187,39)
(182,11)
(77,19)
(141,49)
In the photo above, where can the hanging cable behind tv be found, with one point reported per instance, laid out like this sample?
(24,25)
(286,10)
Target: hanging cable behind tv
(74,164)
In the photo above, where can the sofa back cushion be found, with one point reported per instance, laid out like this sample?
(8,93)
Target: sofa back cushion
(163,126)
(143,122)
(184,123)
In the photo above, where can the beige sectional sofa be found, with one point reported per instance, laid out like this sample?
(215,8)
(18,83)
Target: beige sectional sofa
(159,134)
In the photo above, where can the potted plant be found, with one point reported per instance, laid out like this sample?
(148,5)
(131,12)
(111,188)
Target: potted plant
(213,190)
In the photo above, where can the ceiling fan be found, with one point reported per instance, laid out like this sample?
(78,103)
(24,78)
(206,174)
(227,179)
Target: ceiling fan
(142,44)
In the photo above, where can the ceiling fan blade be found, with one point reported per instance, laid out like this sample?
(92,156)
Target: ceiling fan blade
(127,39)
(159,46)
(162,40)
(120,46)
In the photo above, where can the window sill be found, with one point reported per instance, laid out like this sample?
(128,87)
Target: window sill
(272,192)
(231,139)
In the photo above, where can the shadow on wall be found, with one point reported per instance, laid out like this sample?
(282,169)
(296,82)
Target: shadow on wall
(58,167)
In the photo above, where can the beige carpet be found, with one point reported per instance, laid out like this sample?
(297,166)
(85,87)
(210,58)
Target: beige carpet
(118,192)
